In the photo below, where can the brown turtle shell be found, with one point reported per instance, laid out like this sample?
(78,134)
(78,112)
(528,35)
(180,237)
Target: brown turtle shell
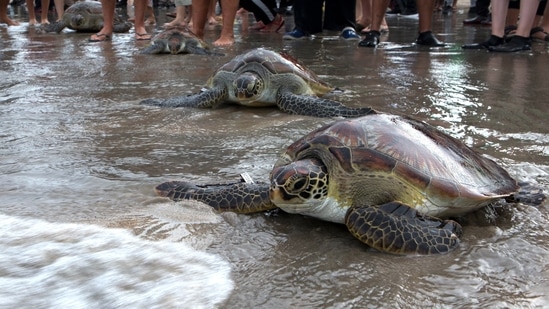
(275,63)
(382,158)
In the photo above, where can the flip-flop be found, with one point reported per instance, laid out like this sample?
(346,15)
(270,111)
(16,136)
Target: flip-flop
(101,37)
(142,36)
(538,30)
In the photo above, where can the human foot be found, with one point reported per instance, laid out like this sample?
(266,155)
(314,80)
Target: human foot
(142,36)
(275,25)
(224,41)
(8,21)
(174,23)
(100,37)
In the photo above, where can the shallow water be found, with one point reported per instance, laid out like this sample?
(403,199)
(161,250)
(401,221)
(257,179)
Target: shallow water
(78,151)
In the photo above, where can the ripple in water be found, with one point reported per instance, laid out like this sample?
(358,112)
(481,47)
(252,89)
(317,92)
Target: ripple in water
(46,265)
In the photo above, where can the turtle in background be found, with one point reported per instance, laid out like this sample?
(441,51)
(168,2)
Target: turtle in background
(393,181)
(178,40)
(262,77)
(85,16)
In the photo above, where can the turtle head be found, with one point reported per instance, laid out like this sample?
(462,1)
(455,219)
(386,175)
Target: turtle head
(175,45)
(247,86)
(299,186)
(77,20)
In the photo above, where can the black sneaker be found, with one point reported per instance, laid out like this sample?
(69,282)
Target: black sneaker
(428,39)
(517,43)
(371,39)
(492,41)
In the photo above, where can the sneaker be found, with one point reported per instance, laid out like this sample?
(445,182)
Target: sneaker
(370,40)
(428,39)
(493,41)
(517,43)
(295,34)
(349,34)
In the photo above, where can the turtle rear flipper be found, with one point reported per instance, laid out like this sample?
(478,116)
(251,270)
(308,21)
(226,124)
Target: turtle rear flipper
(528,194)
(57,27)
(238,197)
(400,229)
(206,99)
(317,107)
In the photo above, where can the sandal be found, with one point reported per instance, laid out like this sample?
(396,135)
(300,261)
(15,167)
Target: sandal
(142,36)
(538,38)
(100,37)
(510,31)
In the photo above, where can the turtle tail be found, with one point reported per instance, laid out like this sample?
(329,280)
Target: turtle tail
(238,197)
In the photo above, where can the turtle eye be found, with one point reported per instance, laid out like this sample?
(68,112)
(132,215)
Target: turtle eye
(298,185)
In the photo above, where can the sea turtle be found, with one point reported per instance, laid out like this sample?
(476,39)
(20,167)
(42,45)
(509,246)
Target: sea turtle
(261,77)
(85,16)
(177,40)
(388,178)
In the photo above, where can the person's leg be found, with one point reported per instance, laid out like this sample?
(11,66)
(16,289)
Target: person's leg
(140,30)
(229,14)
(59,8)
(211,13)
(499,13)
(107,9)
(45,8)
(540,32)
(425,10)
(339,14)
(521,39)
(149,14)
(180,15)
(199,14)
(365,15)
(32,14)
(378,15)
(4,14)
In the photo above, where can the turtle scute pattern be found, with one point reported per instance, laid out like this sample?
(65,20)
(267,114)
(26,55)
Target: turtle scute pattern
(178,40)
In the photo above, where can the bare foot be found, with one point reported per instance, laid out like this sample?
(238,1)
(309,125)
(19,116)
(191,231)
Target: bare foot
(150,21)
(212,21)
(275,25)
(223,41)
(33,22)
(7,20)
(174,23)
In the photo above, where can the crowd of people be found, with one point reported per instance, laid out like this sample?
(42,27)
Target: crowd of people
(514,23)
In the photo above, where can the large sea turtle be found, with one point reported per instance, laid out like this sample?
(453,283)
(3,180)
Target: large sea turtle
(387,178)
(261,77)
(85,16)
(177,40)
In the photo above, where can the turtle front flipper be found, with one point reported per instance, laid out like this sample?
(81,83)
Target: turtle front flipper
(156,47)
(317,107)
(400,229)
(206,99)
(238,197)
(57,27)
